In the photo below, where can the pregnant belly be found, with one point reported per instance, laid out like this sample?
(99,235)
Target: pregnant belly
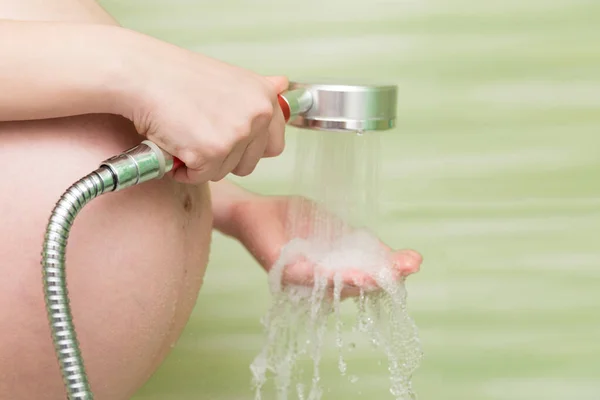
(135,259)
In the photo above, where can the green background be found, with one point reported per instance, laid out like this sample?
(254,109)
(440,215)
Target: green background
(493,174)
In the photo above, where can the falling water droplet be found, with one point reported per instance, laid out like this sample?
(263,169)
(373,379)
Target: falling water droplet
(298,319)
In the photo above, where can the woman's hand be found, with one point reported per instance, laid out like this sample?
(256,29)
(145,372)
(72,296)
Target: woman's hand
(216,118)
(259,223)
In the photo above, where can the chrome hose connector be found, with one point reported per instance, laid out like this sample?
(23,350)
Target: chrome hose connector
(139,164)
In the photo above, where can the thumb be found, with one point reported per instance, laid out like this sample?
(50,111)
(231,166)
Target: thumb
(280,83)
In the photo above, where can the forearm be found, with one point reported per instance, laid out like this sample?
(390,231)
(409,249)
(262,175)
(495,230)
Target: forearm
(50,69)
(226,197)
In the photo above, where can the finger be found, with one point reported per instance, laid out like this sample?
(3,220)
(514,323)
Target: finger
(197,167)
(276,133)
(232,160)
(359,279)
(304,272)
(406,262)
(251,156)
(203,173)
(192,176)
(276,142)
(256,148)
(299,273)
(303,275)
(279,83)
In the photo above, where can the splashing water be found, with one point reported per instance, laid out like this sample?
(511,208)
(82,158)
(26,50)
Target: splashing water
(343,178)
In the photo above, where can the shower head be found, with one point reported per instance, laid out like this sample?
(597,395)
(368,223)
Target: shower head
(340,108)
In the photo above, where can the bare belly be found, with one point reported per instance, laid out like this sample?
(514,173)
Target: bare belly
(135,258)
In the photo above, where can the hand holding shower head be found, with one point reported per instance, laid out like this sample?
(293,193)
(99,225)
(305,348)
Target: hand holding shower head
(339,108)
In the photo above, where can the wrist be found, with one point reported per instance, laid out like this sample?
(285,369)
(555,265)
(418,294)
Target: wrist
(122,85)
(229,204)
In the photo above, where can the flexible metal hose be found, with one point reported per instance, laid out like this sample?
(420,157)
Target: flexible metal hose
(137,165)
(55,289)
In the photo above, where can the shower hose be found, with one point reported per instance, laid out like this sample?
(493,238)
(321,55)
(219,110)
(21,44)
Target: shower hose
(140,164)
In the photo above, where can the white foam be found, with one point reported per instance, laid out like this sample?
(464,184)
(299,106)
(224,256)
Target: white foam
(296,324)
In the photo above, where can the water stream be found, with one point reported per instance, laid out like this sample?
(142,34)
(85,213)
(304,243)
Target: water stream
(340,173)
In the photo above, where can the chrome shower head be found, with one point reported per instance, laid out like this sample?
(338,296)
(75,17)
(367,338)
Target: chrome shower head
(340,108)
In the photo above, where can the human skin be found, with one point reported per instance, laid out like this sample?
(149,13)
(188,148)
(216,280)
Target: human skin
(136,258)
(215,117)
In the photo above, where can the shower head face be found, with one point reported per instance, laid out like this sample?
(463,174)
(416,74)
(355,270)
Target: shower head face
(347,108)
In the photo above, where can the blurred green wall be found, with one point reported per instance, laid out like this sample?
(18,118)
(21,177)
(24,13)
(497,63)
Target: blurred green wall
(493,174)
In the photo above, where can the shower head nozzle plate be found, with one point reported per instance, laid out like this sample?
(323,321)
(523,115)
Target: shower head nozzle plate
(348,108)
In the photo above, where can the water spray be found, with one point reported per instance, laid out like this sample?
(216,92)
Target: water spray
(340,108)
